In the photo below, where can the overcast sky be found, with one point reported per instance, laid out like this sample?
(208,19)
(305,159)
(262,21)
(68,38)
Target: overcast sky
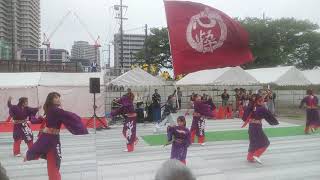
(98,15)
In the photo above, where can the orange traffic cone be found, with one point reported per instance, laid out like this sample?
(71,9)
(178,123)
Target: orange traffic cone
(241,111)
(214,114)
(229,113)
(221,113)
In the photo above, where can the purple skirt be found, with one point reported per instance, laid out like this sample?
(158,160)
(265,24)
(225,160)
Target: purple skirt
(257,137)
(179,151)
(313,118)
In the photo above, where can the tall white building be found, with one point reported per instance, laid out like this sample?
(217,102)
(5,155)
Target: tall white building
(132,43)
(84,51)
(19,26)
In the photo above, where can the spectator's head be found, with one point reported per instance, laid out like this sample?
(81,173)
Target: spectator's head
(309,92)
(156,90)
(225,91)
(174,170)
(171,97)
(23,101)
(181,121)
(197,97)
(253,97)
(3,175)
(129,90)
(178,88)
(259,100)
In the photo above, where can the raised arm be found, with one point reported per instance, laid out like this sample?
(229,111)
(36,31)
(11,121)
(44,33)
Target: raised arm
(9,103)
(303,101)
(72,122)
(11,107)
(269,117)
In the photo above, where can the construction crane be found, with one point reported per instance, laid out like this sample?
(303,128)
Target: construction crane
(96,44)
(46,39)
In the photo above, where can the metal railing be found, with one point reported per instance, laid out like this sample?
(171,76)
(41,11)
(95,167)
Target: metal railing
(39,66)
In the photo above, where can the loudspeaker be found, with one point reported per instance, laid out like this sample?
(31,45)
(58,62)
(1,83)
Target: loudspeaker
(94,85)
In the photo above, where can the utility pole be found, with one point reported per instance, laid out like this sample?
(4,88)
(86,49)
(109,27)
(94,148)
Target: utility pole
(109,54)
(146,57)
(121,34)
(120,16)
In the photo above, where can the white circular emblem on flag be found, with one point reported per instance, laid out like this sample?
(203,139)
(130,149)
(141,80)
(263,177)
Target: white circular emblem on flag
(206,31)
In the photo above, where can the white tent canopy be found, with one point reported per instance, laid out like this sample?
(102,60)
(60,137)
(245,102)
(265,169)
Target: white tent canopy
(68,79)
(137,77)
(15,80)
(282,76)
(313,76)
(221,77)
(73,87)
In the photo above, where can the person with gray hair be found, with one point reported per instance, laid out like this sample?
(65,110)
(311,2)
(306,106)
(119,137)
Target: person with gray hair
(3,175)
(174,170)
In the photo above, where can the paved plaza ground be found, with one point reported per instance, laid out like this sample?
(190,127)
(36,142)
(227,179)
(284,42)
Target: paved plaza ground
(99,156)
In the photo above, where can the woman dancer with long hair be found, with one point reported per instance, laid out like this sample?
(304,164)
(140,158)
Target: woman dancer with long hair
(48,145)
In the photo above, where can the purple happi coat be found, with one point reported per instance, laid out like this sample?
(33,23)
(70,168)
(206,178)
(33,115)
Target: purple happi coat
(129,126)
(256,135)
(22,130)
(312,111)
(181,140)
(198,122)
(47,142)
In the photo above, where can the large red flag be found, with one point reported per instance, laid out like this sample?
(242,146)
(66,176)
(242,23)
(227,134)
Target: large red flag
(202,37)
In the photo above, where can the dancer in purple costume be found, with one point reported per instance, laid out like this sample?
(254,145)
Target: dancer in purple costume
(129,126)
(48,144)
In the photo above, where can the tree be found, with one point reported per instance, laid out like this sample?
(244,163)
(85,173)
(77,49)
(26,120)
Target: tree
(280,41)
(307,52)
(273,42)
(158,49)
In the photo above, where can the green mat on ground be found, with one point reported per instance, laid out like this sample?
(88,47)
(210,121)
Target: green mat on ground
(161,139)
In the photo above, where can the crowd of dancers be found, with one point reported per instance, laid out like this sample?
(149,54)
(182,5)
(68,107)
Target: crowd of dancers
(48,144)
